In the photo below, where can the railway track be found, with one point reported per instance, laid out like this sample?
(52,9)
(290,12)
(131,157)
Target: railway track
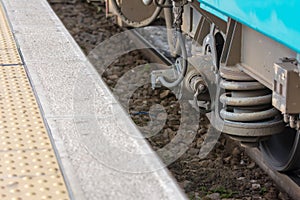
(289,182)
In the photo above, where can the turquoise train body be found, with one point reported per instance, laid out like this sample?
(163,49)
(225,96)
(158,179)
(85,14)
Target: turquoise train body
(277,19)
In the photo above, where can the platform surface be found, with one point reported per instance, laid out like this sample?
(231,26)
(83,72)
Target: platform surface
(28,168)
(91,135)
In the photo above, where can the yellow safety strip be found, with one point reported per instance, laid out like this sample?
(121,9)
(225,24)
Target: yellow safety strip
(8,48)
(28,165)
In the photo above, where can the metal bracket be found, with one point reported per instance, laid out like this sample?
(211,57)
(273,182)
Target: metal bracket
(200,106)
(209,42)
(170,74)
(298,62)
(286,87)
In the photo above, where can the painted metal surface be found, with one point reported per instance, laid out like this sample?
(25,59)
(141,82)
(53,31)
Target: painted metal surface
(213,11)
(29,167)
(277,19)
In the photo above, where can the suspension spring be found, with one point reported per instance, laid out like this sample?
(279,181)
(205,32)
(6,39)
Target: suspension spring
(246,104)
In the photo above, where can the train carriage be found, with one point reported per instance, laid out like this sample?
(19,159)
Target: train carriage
(254,50)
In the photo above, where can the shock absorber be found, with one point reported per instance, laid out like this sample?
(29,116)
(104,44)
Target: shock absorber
(247,110)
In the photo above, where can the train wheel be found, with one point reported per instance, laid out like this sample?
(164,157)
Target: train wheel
(282,150)
(132,22)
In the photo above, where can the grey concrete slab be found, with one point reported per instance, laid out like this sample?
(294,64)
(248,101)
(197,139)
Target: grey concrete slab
(40,49)
(102,153)
(26,5)
(94,167)
(57,90)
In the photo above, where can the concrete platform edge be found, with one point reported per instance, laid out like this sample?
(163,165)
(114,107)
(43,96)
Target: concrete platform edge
(68,168)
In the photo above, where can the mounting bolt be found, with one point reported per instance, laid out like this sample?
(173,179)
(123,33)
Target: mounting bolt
(286,118)
(147,2)
(293,121)
(298,125)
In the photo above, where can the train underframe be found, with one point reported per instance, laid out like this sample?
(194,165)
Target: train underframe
(253,82)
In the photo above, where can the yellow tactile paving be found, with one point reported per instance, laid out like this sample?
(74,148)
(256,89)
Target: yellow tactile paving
(8,48)
(28,165)
(9,57)
(34,187)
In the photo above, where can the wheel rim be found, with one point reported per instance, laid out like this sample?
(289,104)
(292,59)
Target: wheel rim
(133,23)
(282,151)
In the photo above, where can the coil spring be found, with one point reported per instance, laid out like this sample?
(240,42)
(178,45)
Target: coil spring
(245,99)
